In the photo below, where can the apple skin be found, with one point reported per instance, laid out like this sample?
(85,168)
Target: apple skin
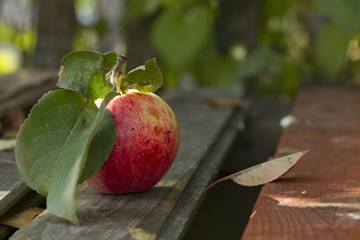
(147,140)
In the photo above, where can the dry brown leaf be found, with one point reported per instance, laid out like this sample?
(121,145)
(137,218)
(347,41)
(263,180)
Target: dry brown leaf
(140,234)
(19,220)
(264,172)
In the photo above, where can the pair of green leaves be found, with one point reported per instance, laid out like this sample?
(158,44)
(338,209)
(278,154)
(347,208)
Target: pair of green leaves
(66,137)
(85,71)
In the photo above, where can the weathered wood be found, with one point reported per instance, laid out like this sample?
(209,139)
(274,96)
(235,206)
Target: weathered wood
(15,196)
(7,165)
(31,199)
(192,196)
(166,210)
(24,88)
(6,231)
(12,188)
(319,198)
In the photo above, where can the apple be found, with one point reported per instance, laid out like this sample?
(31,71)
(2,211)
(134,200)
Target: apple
(146,144)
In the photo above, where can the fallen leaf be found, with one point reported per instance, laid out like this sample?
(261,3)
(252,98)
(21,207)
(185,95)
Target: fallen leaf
(19,220)
(7,144)
(264,172)
(140,234)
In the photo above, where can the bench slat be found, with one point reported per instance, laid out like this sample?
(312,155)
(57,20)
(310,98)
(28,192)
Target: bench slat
(117,216)
(319,198)
(12,188)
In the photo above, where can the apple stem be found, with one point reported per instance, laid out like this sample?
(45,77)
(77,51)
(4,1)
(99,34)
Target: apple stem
(118,83)
(117,73)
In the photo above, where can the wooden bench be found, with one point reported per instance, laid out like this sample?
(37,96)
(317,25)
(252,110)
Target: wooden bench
(320,197)
(165,211)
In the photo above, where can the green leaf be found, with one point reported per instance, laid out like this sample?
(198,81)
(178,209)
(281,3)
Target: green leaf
(262,59)
(85,71)
(53,144)
(343,13)
(178,36)
(330,49)
(145,78)
(102,143)
(275,8)
(216,71)
(137,9)
(289,81)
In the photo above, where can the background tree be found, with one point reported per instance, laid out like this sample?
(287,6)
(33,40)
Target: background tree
(55,28)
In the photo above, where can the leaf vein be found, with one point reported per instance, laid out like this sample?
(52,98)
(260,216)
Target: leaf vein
(61,105)
(37,136)
(67,138)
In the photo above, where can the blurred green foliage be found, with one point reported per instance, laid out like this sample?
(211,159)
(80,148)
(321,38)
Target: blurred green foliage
(183,36)
(17,38)
(290,52)
(299,41)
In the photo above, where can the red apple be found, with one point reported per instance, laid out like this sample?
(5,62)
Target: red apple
(146,144)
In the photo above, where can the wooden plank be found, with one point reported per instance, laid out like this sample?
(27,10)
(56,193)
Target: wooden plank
(8,181)
(12,188)
(24,88)
(319,198)
(206,134)
(192,196)
(15,196)
(31,199)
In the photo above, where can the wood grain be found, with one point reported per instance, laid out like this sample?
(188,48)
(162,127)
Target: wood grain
(320,197)
(12,188)
(30,200)
(166,210)
(15,196)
